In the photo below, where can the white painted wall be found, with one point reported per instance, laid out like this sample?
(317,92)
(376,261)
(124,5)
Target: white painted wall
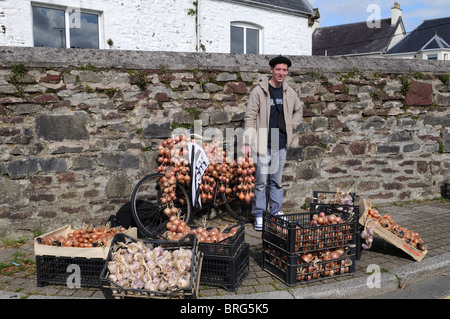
(286,34)
(156,25)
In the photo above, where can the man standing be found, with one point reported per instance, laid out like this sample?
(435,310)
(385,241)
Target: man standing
(273,110)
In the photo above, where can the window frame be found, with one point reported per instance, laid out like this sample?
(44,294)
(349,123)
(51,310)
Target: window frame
(246,26)
(66,10)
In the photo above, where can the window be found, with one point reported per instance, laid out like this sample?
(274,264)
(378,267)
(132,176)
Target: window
(432,57)
(65,28)
(244,39)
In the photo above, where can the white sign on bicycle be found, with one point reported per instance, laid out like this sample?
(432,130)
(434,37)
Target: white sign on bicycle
(198,162)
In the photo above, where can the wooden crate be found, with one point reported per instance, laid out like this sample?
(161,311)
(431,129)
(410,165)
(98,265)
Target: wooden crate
(366,221)
(58,251)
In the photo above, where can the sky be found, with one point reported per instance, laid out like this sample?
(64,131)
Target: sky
(414,12)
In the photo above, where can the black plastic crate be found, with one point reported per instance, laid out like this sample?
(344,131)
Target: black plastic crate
(445,191)
(227,247)
(226,272)
(295,233)
(113,290)
(74,272)
(346,212)
(293,270)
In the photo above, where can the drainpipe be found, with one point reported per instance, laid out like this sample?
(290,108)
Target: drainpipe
(198,25)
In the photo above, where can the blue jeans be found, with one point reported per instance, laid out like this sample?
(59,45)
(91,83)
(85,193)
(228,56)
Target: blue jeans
(269,171)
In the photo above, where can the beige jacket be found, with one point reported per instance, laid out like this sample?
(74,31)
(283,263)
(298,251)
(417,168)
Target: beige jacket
(257,114)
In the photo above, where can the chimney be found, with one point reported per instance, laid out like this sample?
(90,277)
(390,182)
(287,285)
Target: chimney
(396,13)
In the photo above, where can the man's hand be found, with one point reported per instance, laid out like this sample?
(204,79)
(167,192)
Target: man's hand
(246,149)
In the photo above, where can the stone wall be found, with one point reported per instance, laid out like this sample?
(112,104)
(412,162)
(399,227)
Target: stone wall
(79,128)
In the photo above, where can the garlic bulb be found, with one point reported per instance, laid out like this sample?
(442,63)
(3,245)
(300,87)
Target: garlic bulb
(136,266)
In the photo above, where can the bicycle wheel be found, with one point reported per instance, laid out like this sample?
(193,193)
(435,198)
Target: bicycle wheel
(148,209)
(237,208)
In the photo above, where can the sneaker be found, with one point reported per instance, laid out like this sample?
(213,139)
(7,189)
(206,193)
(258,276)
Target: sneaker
(258,225)
(280,215)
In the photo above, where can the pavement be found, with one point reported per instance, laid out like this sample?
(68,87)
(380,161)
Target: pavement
(397,269)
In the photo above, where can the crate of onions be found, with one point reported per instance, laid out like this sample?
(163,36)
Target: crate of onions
(150,268)
(295,269)
(213,240)
(87,241)
(384,226)
(312,231)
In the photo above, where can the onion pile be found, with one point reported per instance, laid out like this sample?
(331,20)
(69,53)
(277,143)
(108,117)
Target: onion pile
(313,265)
(323,219)
(85,237)
(325,231)
(323,264)
(136,266)
(409,236)
(177,228)
(232,177)
(318,239)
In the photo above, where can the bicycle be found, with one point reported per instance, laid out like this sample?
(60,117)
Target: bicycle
(152,207)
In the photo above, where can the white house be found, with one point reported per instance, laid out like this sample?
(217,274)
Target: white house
(429,41)
(213,26)
(372,39)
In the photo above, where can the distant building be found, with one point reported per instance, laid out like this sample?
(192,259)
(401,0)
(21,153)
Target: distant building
(429,41)
(360,39)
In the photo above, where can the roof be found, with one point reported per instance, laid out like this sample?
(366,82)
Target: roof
(354,38)
(301,6)
(436,43)
(430,34)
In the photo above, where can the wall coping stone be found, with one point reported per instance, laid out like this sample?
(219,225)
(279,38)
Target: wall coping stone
(126,59)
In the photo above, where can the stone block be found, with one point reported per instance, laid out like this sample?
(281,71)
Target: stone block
(367,186)
(375,122)
(119,186)
(420,94)
(383,149)
(295,154)
(411,147)
(157,130)
(62,127)
(309,140)
(443,99)
(53,165)
(219,117)
(401,137)
(307,170)
(225,77)
(235,87)
(319,124)
(446,141)
(118,161)
(358,148)
(22,168)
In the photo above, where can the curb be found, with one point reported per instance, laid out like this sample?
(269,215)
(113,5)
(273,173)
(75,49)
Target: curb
(410,274)
(358,288)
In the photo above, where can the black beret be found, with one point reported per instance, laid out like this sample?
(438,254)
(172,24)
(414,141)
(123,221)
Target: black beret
(280,59)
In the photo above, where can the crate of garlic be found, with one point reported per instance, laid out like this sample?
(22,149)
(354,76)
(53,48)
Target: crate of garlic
(148,268)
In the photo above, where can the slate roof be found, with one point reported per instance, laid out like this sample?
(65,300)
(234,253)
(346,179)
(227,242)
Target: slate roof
(302,6)
(430,34)
(354,38)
